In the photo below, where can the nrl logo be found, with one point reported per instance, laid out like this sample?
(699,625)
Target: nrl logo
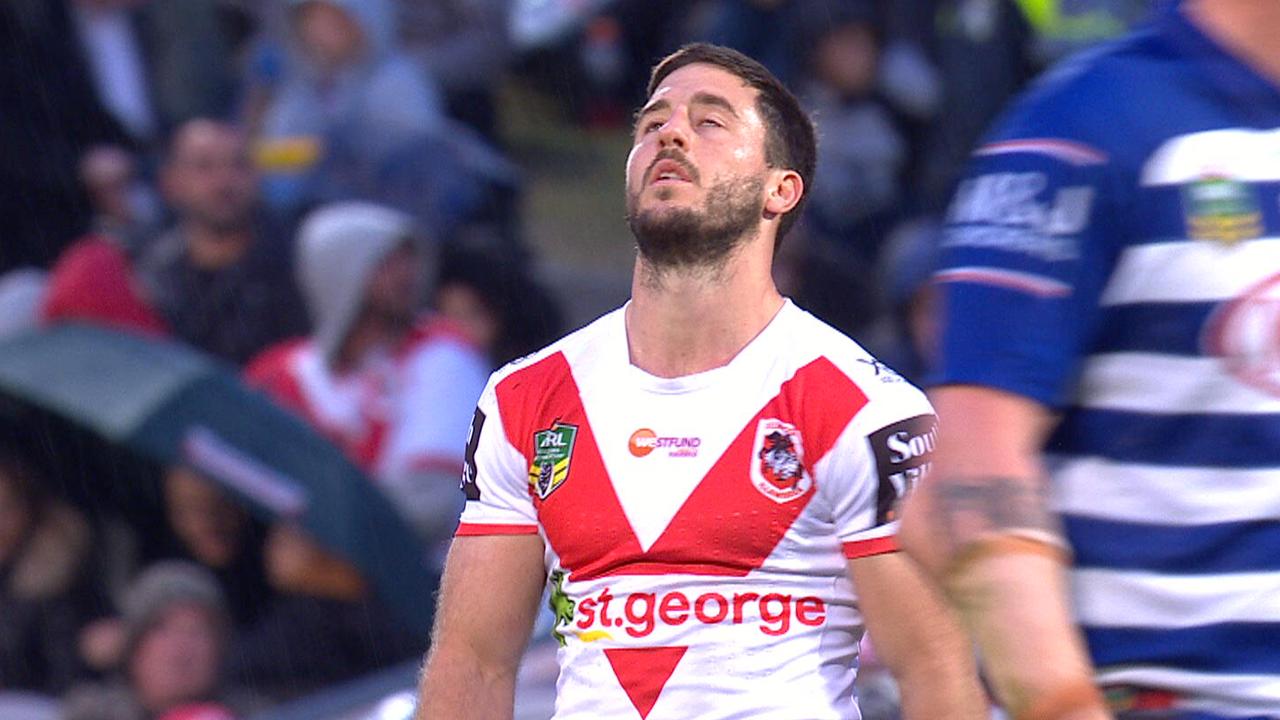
(779,472)
(1221,209)
(552,451)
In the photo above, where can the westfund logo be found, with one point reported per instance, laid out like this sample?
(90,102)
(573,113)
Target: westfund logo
(644,441)
(903,451)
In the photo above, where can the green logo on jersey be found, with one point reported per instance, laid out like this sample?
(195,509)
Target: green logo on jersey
(561,604)
(1221,209)
(552,451)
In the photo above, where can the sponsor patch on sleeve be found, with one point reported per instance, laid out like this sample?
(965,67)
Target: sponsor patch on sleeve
(469,485)
(903,452)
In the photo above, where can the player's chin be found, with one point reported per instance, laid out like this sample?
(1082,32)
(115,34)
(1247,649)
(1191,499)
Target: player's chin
(668,194)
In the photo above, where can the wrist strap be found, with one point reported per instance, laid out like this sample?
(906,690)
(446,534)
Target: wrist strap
(1007,544)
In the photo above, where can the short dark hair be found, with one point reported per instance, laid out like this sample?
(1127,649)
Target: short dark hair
(790,141)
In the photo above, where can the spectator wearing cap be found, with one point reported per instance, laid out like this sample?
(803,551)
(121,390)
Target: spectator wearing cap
(175,638)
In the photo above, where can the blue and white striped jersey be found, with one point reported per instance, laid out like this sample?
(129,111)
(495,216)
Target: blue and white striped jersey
(1114,253)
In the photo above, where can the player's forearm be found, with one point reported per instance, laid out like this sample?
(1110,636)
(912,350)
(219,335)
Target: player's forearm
(993,547)
(1015,606)
(457,684)
(942,683)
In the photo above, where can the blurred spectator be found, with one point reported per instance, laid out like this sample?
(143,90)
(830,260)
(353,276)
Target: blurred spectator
(123,207)
(348,82)
(93,282)
(176,641)
(905,269)
(215,531)
(463,44)
(983,51)
(47,591)
(22,292)
(1064,27)
(504,310)
(324,626)
(857,188)
(91,72)
(393,388)
(220,276)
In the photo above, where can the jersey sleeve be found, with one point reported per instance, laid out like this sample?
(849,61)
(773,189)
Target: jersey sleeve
(880,457)
(495,477)
(1026,250)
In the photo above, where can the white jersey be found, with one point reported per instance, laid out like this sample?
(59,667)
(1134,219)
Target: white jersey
(697,528)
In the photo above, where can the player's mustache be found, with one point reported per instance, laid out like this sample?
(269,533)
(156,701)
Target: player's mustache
(677,156)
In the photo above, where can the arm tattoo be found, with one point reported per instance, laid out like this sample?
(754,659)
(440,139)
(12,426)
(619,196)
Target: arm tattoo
(968,509)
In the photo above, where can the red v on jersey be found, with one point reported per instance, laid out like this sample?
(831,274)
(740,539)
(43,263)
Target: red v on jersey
(643,672)
(725,528)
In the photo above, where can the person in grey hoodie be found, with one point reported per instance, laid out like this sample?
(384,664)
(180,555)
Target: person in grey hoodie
(347,83)
(395,388)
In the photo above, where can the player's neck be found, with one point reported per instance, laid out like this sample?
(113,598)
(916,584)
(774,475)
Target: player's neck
(681,322)
(1248,28)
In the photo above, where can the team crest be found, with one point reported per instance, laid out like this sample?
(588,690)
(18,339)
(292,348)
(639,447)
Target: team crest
(778,470)
(552,452)
(1221,209)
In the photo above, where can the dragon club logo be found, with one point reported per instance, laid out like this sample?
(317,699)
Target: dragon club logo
(778,470)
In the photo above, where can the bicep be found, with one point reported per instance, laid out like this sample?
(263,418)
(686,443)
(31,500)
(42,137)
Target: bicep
(489,597)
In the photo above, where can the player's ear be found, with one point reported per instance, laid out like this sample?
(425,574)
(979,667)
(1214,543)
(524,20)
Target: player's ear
(783,191)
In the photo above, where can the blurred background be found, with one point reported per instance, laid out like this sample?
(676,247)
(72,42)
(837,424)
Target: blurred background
(257,259)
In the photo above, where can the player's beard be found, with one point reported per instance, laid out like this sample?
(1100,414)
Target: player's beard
(692,238)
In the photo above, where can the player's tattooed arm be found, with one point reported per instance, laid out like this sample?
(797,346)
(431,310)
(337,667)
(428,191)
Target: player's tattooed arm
(969,509)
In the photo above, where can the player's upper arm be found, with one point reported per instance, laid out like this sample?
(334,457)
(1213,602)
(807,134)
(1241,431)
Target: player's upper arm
(489,598)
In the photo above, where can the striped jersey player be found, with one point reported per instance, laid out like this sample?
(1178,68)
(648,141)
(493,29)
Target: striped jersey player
(1113,260)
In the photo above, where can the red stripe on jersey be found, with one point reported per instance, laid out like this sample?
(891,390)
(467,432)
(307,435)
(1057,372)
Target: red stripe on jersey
(583,519)
(475,529)
(725,528)
(867,548)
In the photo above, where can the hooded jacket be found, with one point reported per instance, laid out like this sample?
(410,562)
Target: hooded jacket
(383,89)
(339,248)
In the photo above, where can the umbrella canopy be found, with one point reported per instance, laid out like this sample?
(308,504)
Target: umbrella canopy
(172,404)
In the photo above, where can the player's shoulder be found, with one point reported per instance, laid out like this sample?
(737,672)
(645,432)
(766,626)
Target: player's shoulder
(576,348)
(1098,99)
(879,383)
